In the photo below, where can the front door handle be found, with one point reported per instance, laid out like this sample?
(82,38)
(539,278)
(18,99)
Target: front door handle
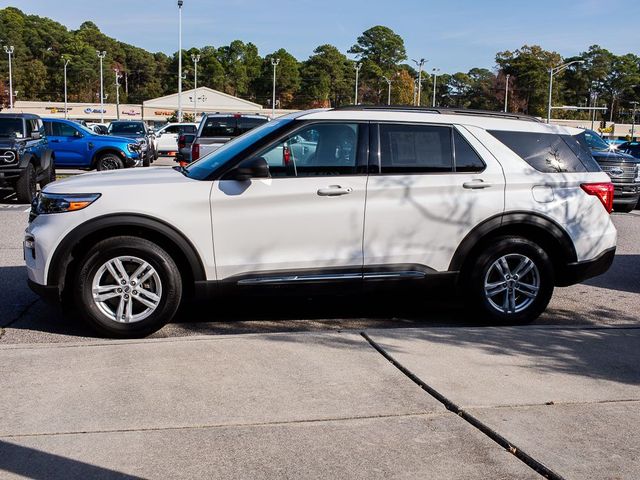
(476,184)
(334,191)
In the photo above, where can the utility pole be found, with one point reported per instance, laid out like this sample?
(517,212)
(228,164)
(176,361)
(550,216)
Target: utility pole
(101,56)
(435,79)
(9,51)
(274,62)
(180,2)
(118,77)
(506,94)
(633,119)
(389,92)
(420,64)
(196,59)
(126,83)
(357,66)
(66,63)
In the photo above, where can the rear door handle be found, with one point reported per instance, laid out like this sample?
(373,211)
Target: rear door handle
(334,191)
(476,184)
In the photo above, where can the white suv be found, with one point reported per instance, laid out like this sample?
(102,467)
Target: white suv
(502,206)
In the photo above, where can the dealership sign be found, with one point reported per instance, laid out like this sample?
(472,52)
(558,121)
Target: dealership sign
(94,110)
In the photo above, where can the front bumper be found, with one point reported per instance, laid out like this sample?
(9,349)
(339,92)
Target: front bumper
(579,271)
(9,176)
(49,293)
(625,193)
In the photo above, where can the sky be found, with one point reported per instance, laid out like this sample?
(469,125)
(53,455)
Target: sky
(453,35)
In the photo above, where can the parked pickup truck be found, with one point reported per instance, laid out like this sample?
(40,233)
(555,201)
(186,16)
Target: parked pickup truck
(166,138)
(25,156)
(623,169)
(76,146)
(216,129)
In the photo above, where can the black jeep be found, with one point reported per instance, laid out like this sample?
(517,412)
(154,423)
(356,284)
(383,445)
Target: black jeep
(25,158)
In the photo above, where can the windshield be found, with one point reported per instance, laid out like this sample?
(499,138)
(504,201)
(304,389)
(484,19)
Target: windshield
(128,128)
(594,141)
(84,129)
(205,166)
(11,127)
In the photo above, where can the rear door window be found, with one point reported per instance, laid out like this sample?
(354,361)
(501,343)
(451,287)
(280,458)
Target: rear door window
(548,152)
(219,127)
(466,158)
(245,124)
(407,149)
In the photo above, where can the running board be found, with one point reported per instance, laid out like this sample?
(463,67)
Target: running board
(293,279)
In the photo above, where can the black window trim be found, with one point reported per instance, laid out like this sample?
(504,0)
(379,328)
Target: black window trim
(295,126)
(375,159)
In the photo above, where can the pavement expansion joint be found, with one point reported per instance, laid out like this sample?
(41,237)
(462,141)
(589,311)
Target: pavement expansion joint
(531,462)
(228,425)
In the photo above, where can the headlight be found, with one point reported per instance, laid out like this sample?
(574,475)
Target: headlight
(133,147)
(46,203)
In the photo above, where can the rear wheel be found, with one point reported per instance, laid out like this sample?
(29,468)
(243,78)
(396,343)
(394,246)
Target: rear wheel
(127,287)
(511,281)
(26,186)
(109,161)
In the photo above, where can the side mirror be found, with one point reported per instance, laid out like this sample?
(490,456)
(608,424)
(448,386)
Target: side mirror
(35,135)
(252,168)
(77,134)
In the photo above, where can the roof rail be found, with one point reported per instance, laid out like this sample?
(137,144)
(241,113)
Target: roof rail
(441,111)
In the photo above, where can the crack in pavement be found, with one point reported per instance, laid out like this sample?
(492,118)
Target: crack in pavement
(232,425)
(531,462)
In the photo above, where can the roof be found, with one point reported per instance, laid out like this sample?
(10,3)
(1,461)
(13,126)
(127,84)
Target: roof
(19,115)
(441,111)
(207,99)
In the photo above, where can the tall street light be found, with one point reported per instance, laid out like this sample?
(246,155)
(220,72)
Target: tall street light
(66,63)
(180,2)
(633,118)
(506,93)
(356,66)
(9,51)
(419,64)
(101,56)
(196,59)
(274,62)
(552,72)
(435,79)
(389,91)
(118,77)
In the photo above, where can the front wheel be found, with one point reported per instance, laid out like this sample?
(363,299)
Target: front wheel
(127,287)
(511,281)
(50,175)
(27,184)
(109,161)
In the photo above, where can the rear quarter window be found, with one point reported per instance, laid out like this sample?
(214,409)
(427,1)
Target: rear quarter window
(549,152)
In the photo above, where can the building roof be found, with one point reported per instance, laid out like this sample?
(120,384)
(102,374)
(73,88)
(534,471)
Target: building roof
(208,99)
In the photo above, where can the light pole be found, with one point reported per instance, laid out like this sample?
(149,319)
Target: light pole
(118,77)
(101,56)
(66,63)
(506,94)
(552,72)
(633,118)
(180,2)
(419,64)
(274,62)
(9,51)
(435,79)
(356,66)
(196,59)
(389,91)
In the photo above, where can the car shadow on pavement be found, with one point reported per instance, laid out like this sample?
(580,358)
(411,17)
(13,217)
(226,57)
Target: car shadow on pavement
(36,464)
(624,275)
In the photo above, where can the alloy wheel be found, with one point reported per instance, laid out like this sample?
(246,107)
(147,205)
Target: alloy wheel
(512,283)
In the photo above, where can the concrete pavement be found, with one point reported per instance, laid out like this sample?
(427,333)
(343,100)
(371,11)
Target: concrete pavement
(254,406)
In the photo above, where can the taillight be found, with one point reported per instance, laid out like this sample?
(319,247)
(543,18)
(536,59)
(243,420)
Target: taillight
(195,152)
(181,141)
(604,192)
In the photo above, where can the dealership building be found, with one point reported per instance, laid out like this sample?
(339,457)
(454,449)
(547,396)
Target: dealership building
(155,111)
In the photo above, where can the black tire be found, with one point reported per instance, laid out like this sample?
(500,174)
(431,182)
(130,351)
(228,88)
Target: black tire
(109,161)
(27,184)
(513,249)
(141,249)
(49,176)
(146,159)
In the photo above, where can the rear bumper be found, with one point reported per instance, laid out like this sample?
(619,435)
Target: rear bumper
(579,271)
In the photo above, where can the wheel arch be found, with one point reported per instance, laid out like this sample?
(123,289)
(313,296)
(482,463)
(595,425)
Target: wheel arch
(104,150)
(77,243)
(533,226)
